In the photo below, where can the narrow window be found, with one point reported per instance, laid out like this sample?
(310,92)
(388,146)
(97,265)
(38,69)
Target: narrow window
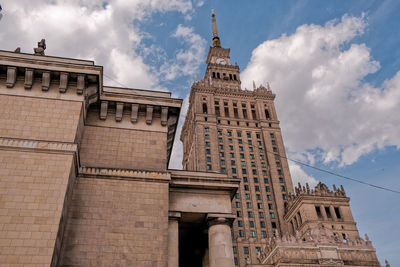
(318,210)
(328,212)
(337,212)
(204,108)
(218,76)
(267,114)
(230,76)
(234,77)
(213,74)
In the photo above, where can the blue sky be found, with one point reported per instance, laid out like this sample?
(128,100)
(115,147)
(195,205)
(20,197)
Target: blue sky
(333,65)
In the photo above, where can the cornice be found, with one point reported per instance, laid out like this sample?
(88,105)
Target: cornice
(37,145)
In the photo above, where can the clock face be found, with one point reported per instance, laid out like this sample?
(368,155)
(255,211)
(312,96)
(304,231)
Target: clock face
(221,61)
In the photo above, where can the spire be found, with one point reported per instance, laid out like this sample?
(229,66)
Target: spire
(216,42)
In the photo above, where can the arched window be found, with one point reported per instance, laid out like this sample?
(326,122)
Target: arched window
(204,108)
(218,76)
(213,74)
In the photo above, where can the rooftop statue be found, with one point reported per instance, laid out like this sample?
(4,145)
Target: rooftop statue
(39,51)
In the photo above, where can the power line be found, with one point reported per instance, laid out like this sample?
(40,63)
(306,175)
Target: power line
(339,175)
(115,80)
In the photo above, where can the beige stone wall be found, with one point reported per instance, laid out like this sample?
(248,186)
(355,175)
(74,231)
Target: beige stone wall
(32,191)
(123,148)
(117,223)
(39,118)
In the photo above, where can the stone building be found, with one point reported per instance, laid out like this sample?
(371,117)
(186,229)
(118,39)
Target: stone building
(84,178)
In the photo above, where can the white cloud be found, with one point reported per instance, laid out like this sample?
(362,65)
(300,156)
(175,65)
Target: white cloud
(86,29)
(327,111)
(188,60)
(300,176)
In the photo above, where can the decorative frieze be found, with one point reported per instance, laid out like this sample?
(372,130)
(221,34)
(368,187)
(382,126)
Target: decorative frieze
(46,78)
(149,114)
(103,110)
(63,82)
(119,111)
(28,78)
(11,76)
(80,84)
(125,173)
(13,143)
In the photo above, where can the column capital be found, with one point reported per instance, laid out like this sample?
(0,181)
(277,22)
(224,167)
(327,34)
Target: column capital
(174,215)
(215,219)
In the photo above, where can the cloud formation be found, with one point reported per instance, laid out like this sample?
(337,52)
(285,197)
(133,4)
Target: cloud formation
(106,32)
(328,112)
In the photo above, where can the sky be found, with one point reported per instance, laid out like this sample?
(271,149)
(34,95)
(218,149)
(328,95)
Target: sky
(334,66)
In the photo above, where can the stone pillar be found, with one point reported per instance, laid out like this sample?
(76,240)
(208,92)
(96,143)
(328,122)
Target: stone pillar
(206,258)
(173,239)
(333,214)
(323,213)
(220,242)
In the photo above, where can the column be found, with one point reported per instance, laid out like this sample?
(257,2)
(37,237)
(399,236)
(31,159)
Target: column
(333,214)
(173,239)
(220,242)
(323,213)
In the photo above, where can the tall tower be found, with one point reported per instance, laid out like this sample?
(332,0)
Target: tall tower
(236,131)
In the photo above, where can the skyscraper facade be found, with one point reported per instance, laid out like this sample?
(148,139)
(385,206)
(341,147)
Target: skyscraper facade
(236,131)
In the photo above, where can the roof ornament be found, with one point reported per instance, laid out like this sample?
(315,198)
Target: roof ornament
(216,42)
(254,85)
(39,51)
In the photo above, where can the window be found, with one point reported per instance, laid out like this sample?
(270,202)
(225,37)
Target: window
(280,172)
(251,223)
(251,156)
(253,112)
(273,224)
(247,196)
(273,142)
(241,155)
(234,249)
(251,149)
(257,188)
(240,141)
(253,164)
(237,195)
(208,159)
(241,234)
(250,214)
(267,189)
(248,135)
(259,205)
(252,233)
(262,224)
(207,143)
(264,234)
(272,215)
(270,206)
(259,143)
(213,74)
(239,134)
(281,180)
(269,197)
(258,196)
(284,196)
(219,132)
(249,142)
(236,261)
(230,140)
(245,179)
(209,167)
(344,236)
(337,212)
(244,110)
(260,150)
(254,171)
(232,155)
(261,214)
(222,162)
(223,170)
(255,180)
(246,187)
(221,146)
(283,189)
(328,212)
(229,133)
(231,147)
(265,180)
(244,171)
(267,114)
(234,170)
(204,108)
(220,139)
(206,129)
(240,148)
(237,204)
(258,135)
(240,223)
(274,149)
(318,211)
(221,154)
(235,110)
(278,164)
(248,205)
(262,157)
(208,151)
(245,250)
(238,213)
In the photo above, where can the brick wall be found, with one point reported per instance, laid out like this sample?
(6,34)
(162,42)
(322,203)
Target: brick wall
(32,191)
(117,223)
(123,148)
(38,118)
